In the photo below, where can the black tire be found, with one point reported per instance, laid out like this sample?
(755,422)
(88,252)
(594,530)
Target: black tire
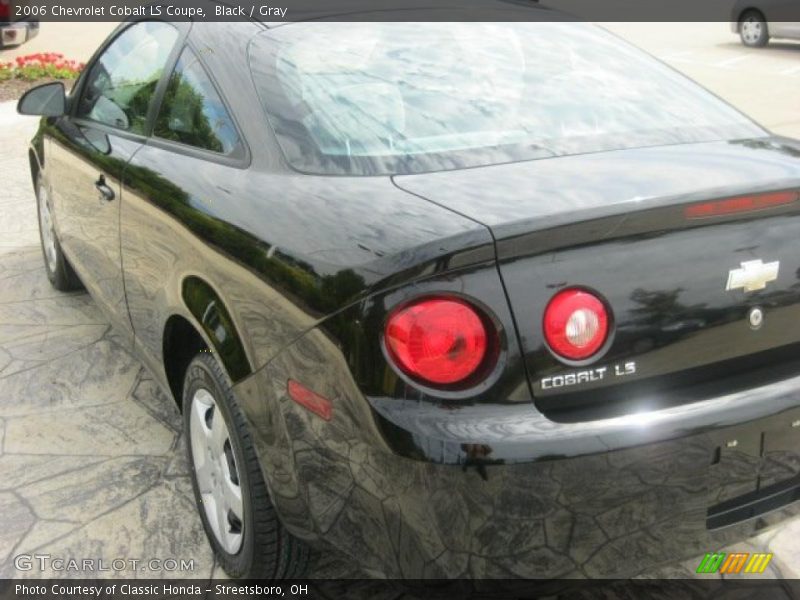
(753,19)
(59,271)
(267,550)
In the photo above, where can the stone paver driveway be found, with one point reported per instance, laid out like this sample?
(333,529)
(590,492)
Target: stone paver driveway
(91,461)
(92,464)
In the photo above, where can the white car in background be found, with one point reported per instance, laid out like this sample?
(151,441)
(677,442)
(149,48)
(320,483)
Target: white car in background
(13,31)
(756,21)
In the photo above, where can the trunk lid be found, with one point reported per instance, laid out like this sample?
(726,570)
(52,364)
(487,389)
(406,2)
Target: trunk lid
(620,224)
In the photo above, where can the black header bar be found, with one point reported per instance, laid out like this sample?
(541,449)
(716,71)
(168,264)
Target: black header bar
(277,11)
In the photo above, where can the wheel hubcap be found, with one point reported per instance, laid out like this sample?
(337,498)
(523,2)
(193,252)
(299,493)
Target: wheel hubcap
(216,471)
(751,29)
(48,232)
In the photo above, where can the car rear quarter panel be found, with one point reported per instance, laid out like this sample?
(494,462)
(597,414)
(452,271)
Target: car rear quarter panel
(281,250)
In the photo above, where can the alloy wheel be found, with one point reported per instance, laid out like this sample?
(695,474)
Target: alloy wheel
(751,30)
(216,471)
(47,229)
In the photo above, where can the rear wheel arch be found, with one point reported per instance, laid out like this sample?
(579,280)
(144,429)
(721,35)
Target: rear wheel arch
(181,342)
(211,328)
(268,550)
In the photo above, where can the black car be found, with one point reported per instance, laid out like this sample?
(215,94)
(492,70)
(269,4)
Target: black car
(452,299)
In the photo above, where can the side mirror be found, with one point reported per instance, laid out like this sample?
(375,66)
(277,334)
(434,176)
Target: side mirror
(48,100)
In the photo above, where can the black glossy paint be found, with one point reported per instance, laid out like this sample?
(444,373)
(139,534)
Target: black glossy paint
(286,275)
(209,310)
(78,159)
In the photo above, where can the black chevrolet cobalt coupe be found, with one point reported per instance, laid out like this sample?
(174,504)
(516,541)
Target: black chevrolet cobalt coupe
(450,299)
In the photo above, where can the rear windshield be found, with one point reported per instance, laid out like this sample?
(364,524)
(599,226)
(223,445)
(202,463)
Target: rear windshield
(400,98)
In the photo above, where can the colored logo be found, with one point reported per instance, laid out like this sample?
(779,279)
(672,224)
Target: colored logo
(734,563)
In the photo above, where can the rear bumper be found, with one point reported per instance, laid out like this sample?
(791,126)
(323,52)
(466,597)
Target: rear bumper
(416,491)
(14,34)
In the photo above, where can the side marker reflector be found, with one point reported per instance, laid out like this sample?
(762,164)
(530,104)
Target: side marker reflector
(319,405)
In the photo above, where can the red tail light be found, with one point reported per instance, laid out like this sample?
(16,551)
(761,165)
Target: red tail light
(740,204)
(440,341)
(5,10)
(576,324)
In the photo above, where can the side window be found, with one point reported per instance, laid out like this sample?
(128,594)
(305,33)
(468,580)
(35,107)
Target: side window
(123,80)
(192,112)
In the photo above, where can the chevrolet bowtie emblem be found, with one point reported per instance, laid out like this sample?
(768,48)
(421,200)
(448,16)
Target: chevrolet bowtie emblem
(753,276)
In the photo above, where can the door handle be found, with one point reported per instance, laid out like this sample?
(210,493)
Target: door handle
(105,192)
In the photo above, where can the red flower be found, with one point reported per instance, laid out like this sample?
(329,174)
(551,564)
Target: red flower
(42,64)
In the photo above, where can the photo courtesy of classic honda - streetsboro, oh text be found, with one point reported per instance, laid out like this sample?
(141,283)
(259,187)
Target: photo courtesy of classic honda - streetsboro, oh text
(466,299)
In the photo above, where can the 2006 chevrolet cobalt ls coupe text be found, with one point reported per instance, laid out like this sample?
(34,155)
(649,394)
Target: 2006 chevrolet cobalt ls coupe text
(453,299)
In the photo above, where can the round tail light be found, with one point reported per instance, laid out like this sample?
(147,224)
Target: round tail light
(440,341)
(576,324)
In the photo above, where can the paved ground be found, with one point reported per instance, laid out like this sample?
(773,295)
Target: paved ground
(91,461)
(764,83)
